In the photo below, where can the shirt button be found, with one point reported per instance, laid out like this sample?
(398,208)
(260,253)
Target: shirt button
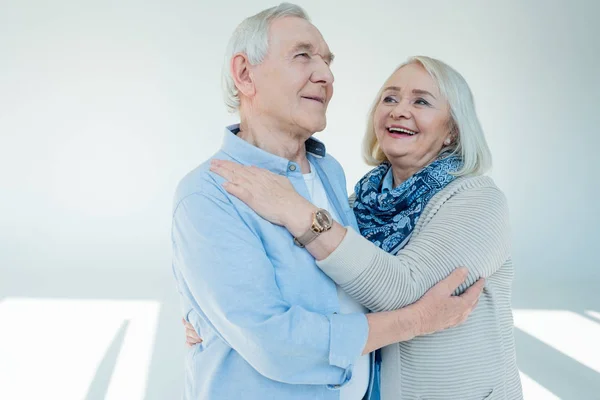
(292,167)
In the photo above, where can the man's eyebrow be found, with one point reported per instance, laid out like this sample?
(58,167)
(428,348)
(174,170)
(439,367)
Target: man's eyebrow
(303,46)
(329,56)
(308,47)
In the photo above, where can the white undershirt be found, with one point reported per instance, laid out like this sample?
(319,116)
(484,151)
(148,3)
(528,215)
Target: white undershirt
(358,385)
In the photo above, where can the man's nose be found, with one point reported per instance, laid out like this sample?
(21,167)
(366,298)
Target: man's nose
(322,73)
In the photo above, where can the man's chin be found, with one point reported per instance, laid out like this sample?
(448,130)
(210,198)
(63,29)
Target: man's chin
(318,126)
(311,124)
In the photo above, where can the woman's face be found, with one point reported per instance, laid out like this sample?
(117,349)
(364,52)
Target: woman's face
(411,119)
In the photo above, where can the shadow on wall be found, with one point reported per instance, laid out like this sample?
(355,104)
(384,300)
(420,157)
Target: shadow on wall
(93,334)
(557,331)
(102,334)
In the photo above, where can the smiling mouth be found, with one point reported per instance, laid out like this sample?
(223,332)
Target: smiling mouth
(400,131)
(319,99)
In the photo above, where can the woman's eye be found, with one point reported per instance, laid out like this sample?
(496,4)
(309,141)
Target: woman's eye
(389,99)
(422,102)
(303,55)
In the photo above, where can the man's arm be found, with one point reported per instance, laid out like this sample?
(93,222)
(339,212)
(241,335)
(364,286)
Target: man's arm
(232,283)
(437,310)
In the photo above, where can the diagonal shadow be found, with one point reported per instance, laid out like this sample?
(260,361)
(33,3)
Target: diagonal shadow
(582,313)
(99,386)
(168,342)
(562,375)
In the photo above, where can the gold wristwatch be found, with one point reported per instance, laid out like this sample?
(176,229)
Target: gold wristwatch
(322,222)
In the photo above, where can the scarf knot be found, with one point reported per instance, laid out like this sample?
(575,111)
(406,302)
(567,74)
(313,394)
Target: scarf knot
(388,218)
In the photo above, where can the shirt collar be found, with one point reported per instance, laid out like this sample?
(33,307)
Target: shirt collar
(247,154)
(387,185)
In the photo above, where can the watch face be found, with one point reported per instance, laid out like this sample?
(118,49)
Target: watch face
(323,219)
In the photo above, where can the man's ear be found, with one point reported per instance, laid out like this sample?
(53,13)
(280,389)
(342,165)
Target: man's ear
(241,74)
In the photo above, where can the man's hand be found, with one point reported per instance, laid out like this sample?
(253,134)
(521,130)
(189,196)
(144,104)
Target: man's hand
(191,337)
(438,309)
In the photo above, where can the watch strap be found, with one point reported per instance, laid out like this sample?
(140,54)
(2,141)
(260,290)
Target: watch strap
(306,238)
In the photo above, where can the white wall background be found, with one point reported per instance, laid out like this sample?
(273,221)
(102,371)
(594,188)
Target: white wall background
(105,105)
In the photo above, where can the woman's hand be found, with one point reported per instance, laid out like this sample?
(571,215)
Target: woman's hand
(191,337)
(439,309)
(270,195)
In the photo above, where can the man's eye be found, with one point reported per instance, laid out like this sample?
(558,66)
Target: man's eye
(303,55)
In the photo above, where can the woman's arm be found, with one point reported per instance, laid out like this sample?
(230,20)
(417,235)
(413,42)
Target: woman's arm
(471,229)
(274,198)
(437,310)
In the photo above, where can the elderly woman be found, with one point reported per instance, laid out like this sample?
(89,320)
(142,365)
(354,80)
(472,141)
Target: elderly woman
(424,210)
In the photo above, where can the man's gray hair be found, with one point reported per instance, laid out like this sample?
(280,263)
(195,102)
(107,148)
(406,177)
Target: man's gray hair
(251,37)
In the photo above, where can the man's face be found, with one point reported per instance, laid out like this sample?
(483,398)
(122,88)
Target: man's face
(294,82)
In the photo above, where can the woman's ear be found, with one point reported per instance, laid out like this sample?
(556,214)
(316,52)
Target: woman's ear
(453,133)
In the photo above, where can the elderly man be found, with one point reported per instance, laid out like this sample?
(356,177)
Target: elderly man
(274,326)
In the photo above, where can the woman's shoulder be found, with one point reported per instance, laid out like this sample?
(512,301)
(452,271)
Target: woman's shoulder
(481,184)
(471,185)
(467,193)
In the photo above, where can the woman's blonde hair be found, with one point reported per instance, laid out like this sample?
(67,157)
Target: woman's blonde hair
(469,142)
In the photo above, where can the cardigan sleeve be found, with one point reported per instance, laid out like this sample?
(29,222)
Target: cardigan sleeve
(471,229)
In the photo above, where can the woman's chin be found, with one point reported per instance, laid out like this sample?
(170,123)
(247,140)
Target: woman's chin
(392,152)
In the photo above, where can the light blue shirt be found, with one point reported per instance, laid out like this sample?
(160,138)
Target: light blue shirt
(268,315)
(387,184)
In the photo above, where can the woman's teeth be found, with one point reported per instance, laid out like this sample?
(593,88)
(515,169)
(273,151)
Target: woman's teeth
(401,130)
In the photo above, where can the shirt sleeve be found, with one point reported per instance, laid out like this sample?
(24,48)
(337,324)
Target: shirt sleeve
(232,283)
(471,229)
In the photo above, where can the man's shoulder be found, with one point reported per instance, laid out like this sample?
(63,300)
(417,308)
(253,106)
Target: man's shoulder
(332,163)
(333,170)
(201,181)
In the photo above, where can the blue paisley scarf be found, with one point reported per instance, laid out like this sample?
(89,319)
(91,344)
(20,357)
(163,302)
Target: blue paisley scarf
(388,219)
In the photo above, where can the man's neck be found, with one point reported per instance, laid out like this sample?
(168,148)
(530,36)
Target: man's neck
(280,143)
